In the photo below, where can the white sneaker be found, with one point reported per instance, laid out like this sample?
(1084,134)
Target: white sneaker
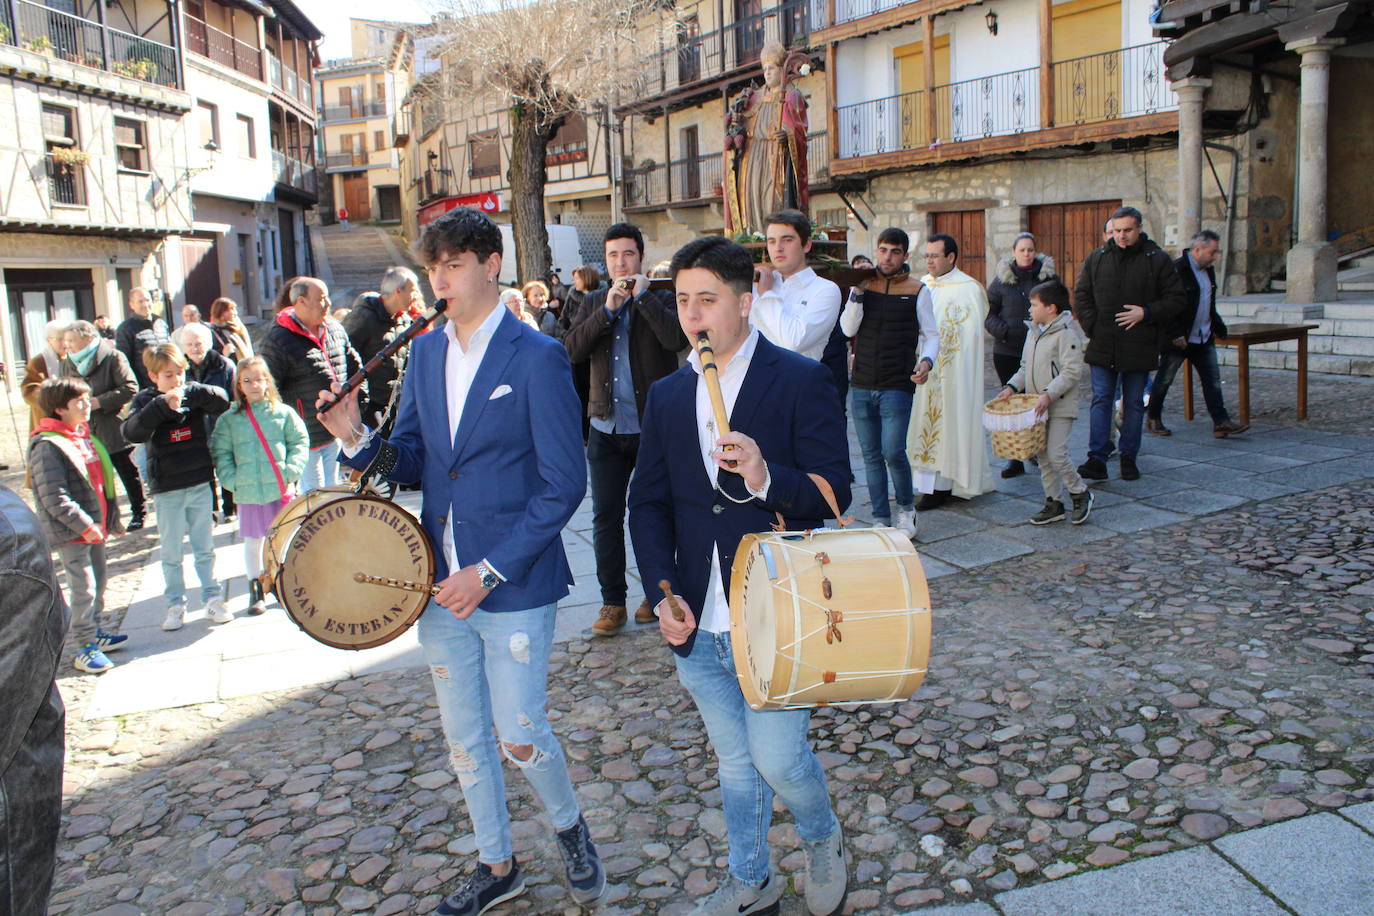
(176,616)
(906,522)
(217,611)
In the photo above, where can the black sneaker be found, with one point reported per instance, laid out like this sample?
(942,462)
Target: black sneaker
(135,522)
(586,877)
(483,890)
(1052,511)
(1128,469)
(1092,469)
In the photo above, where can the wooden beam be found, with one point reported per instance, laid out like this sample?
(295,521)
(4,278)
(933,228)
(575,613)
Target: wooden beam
(832,111)
(1164,122)
(1046,65)
(928,61)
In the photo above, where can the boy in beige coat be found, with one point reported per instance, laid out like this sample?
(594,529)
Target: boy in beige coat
(1052,367)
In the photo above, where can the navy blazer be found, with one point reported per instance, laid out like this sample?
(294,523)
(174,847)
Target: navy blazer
(513,475)
(787,405)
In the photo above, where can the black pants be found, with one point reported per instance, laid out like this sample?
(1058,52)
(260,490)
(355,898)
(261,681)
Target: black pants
(128,475)
(1005,365)
(610,462)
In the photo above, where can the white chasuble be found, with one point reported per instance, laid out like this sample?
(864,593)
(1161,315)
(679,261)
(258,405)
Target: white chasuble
(946,433)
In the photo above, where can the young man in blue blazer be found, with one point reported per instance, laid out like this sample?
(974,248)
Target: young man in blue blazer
(689,506)
(489,428)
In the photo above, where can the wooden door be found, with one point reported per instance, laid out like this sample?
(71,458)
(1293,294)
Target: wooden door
(749,37)
(200,265)
(910,64)
(357,197)
(1086,87)
(286,220)
(967,227)
(1068,232)
(691,165)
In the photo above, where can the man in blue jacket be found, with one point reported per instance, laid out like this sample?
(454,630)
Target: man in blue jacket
(488,426)
(688,509)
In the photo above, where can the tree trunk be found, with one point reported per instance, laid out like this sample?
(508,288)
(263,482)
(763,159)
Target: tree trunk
(528,143)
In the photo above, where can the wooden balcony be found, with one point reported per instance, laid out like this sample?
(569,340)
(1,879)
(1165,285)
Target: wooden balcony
(53,33)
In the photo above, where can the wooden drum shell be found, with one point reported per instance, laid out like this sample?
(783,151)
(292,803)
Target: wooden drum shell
(878,625)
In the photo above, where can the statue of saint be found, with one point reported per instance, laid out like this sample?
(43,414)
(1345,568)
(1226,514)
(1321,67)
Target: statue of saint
(765,144)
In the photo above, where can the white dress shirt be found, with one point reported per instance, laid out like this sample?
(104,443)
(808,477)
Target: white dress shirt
(715,616)
(460,368)
(1202,320)
(929,337)
(797,313)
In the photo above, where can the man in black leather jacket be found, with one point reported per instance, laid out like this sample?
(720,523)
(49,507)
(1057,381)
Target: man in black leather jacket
(33,621)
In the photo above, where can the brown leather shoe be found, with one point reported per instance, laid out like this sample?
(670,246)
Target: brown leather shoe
(1157,428)
(611,620)
(645,614)
(1229,428)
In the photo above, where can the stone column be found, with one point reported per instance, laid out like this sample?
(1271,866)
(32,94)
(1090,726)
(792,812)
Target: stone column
(1191,91)
(1312,262)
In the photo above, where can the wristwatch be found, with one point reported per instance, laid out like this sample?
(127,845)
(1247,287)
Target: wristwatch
(487,576)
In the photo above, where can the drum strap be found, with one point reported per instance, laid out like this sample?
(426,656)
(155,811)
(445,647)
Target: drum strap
(828,493)
(272,459)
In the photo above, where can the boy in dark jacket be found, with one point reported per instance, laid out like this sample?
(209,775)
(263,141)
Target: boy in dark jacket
(73,482)
(171,418)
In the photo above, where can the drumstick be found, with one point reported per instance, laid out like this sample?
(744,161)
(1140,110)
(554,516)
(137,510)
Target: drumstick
(673,604)
(711,374)
(391,582)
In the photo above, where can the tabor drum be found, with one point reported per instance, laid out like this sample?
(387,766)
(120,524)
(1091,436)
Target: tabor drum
(284,526)
(828,616)
(357,572)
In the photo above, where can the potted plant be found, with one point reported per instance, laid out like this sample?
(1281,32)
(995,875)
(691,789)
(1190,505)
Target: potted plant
(40,45)
(69,157)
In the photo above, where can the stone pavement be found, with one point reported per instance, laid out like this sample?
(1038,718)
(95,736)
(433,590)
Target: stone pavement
(1134,706)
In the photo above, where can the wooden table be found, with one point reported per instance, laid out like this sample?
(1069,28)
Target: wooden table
(1242,336)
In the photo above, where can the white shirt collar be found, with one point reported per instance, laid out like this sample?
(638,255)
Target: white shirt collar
(484,331)
(800,278)
(742,356)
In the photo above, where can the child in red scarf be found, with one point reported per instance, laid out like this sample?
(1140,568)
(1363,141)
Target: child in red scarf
(73,481)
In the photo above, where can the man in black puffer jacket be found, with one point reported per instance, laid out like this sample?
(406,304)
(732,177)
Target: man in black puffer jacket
(374,322)
(1127,291)
(31,741)
(306,351)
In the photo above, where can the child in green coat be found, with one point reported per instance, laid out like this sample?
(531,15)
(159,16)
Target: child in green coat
(260,448)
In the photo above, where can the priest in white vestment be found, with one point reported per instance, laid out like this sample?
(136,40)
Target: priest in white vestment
(945,440)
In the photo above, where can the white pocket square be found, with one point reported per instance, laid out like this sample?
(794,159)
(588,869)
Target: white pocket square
(500,392)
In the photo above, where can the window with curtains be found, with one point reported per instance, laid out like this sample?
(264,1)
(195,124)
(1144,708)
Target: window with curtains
(131,144)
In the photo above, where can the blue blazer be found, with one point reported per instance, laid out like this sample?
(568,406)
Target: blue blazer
(513,475)
(789,406)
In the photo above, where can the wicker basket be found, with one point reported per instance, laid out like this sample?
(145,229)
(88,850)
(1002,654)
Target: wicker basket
(1017,432)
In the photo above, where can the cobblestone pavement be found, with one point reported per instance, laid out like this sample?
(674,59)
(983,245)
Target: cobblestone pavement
(1135,696)
(1139,694)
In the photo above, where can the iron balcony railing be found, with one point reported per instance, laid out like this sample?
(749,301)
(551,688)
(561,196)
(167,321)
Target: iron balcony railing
(1100,87)
(223,48)
(693,58)
(66,182)
(345,160)
(1113,84)
(285,79)
(692,179)
(849,10)
(63,36)
(817,156)
(355,112)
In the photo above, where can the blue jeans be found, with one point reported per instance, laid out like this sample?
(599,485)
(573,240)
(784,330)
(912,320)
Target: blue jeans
(1204,360)
(759,753)
(1105,382)
(881,419)
(186,513)
(321,467)
(491,670)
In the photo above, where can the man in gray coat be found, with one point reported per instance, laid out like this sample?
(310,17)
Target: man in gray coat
(33,619)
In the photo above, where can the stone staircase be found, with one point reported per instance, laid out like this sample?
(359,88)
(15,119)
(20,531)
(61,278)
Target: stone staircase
(1341,343)
(353,260)
(1355,276)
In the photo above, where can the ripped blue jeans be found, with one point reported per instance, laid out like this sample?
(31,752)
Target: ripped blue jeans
(491,672)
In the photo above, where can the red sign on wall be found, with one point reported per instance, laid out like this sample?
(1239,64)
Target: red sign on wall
(489,203)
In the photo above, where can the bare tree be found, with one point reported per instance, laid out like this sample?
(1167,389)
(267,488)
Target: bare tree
(548,59)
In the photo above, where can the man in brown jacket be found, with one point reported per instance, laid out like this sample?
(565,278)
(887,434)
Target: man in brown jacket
(631,338)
